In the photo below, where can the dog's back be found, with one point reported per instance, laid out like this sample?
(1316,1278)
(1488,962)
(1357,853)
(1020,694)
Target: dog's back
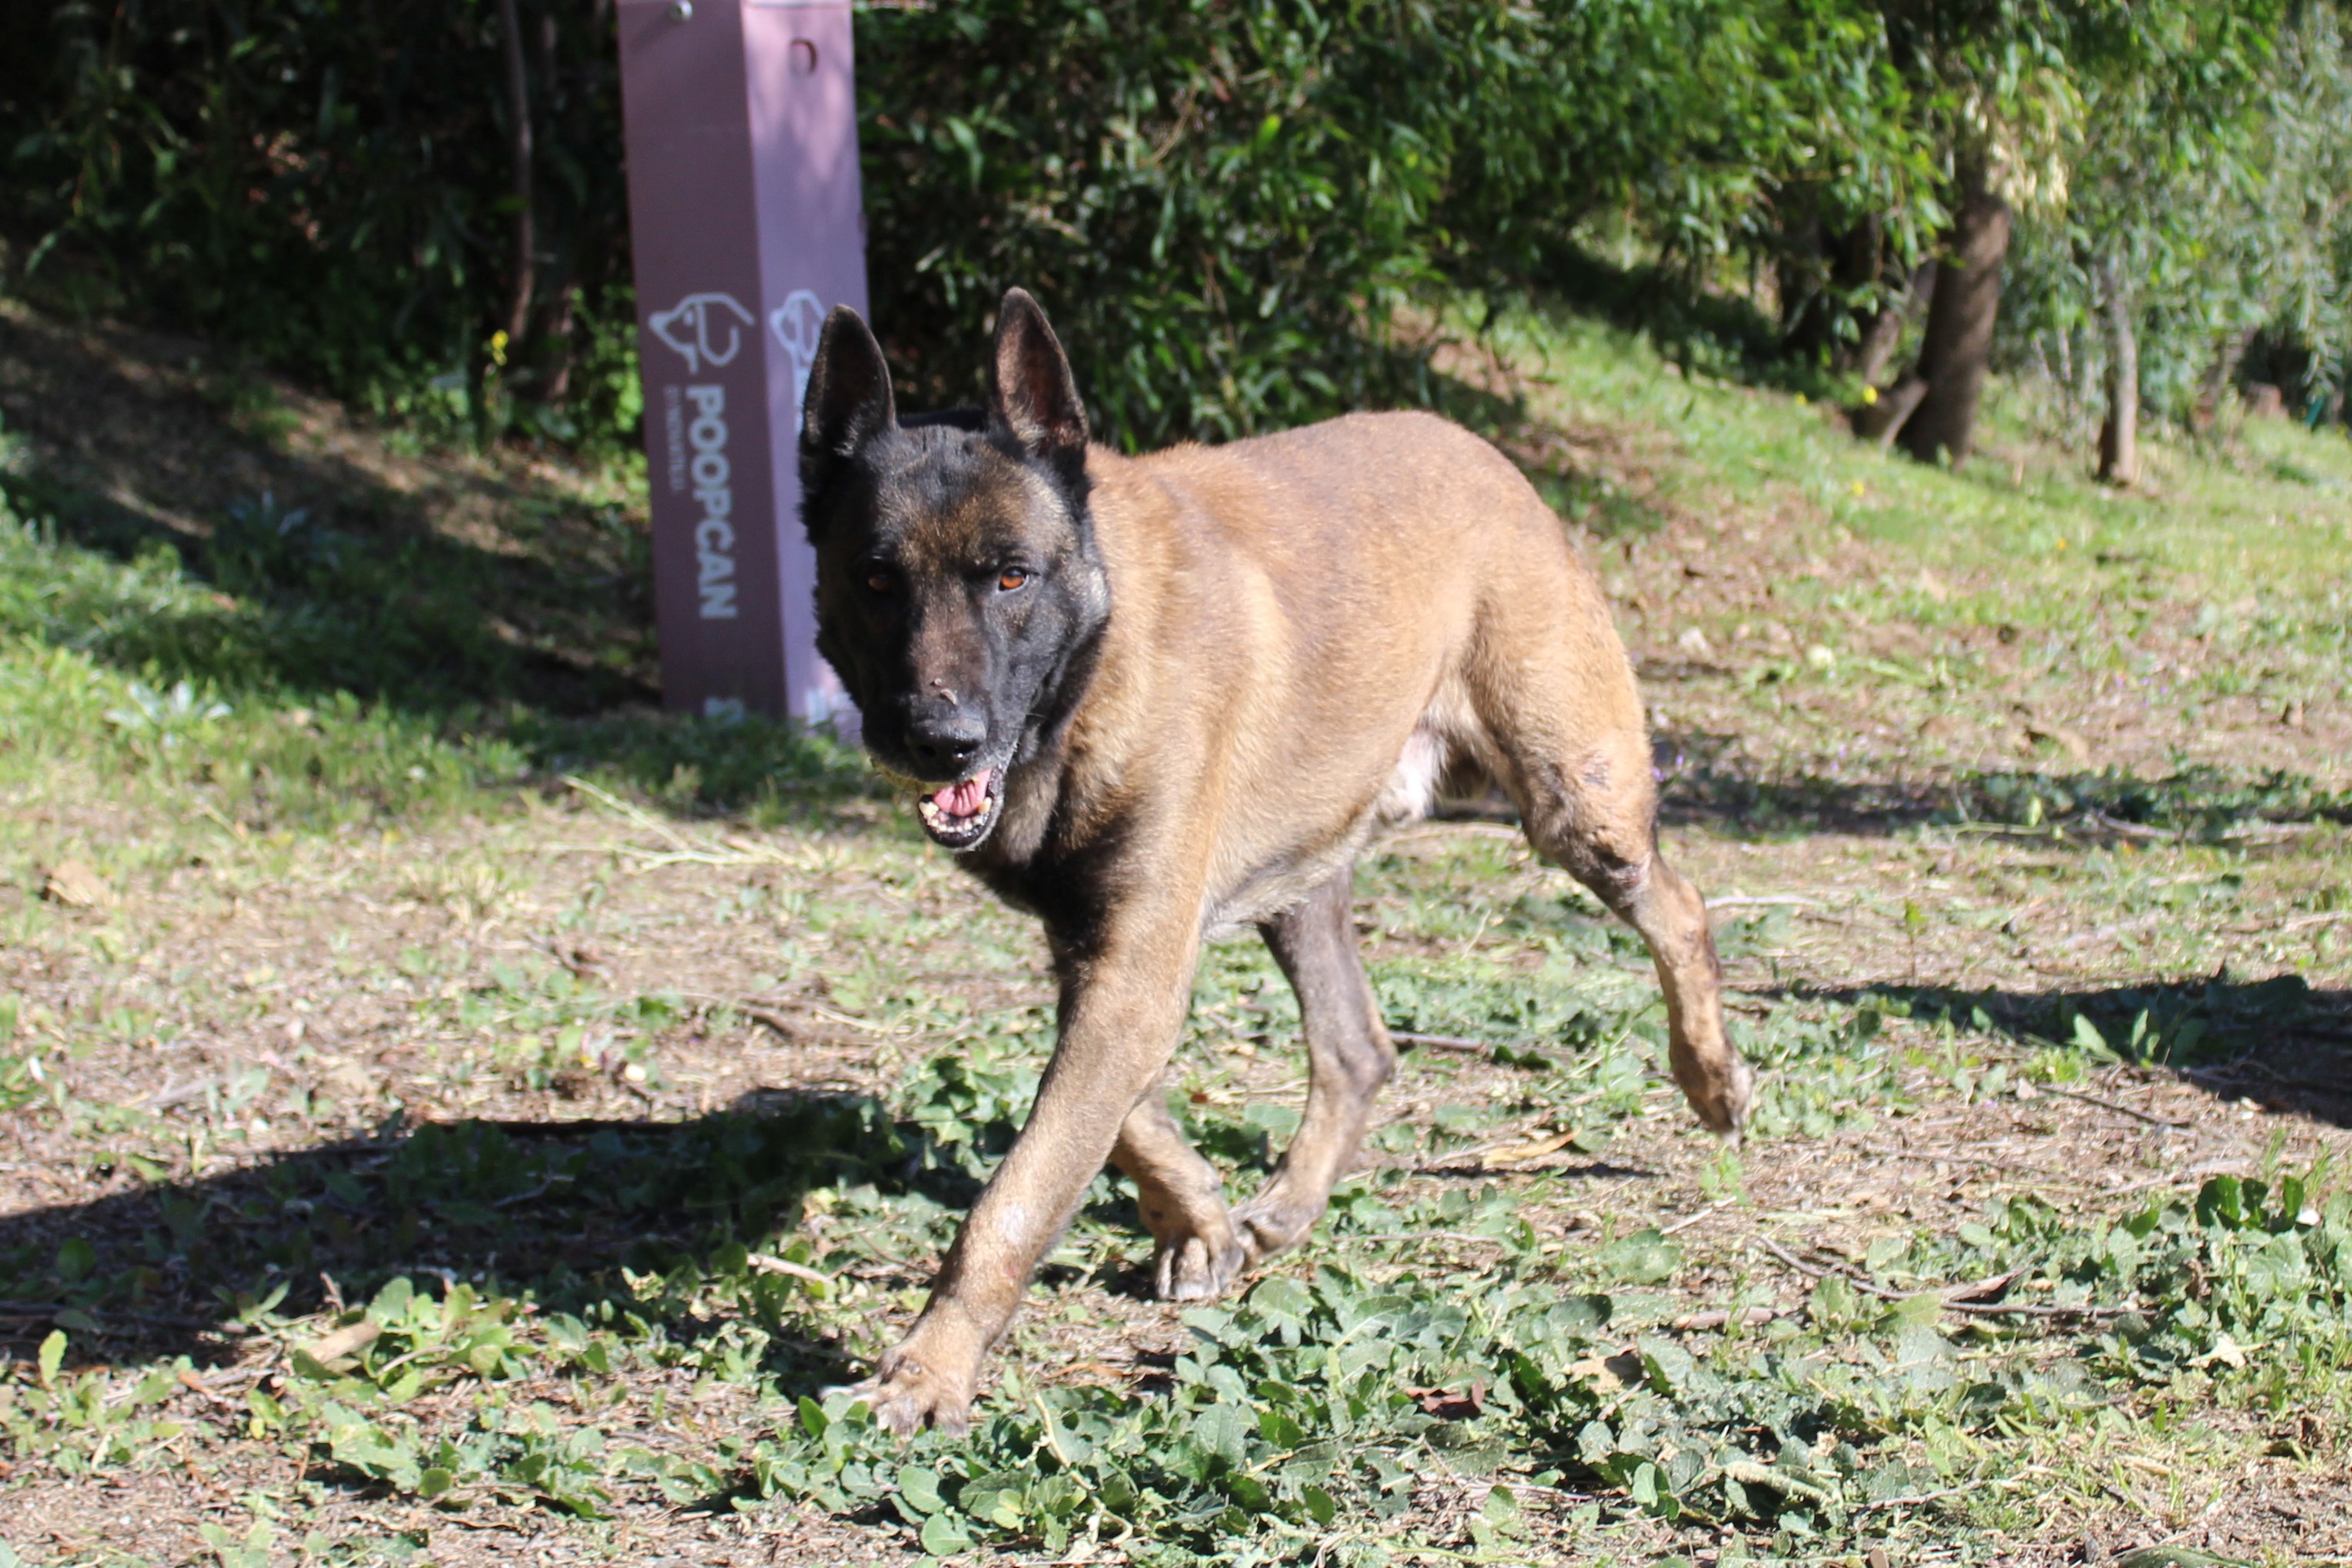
(1337,616)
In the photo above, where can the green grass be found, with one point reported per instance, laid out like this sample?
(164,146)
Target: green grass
(2243,549)
(303,1259)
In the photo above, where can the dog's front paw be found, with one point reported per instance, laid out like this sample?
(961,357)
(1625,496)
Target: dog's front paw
(1276,1220)
(906,1395)
(1194,1268)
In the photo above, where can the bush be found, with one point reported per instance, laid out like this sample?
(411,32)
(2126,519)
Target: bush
(1216,200)
(1222,201)
(324,183)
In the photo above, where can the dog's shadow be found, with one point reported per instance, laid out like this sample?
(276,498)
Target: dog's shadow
(564,1214)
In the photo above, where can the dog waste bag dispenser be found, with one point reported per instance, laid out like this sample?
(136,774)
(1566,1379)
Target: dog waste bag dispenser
(742,125)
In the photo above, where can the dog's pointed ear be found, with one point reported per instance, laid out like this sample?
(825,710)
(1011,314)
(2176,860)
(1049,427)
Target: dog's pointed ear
(848,401)
(1032,393)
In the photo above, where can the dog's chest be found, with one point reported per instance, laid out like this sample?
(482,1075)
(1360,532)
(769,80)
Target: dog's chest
(1274,888)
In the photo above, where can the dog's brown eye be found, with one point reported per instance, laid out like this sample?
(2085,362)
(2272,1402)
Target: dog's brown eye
(1012,577)
(880,581)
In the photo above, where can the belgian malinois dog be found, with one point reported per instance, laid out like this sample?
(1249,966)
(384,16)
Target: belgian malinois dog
(1153,700)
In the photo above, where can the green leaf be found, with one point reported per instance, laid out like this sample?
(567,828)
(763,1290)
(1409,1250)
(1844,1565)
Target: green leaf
(1833,1300)
(1581,1314)
(943,1536)
(1220,1430)
(392,1302)
(433,1481)
(1644,1257)
(52,1357)
(2222,1202)
(2087,1035)
(1915,1311)
(918,1488)
(1670,1368)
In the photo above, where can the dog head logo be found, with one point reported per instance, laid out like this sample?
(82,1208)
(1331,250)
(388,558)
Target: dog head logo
(694,323)
(798,322)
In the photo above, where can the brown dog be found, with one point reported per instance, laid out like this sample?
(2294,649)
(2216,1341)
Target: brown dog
(1156,698)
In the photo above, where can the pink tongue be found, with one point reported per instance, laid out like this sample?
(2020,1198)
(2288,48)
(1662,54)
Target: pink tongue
(964,799)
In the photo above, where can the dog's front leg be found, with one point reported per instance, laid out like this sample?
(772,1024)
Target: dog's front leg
(1122,1008)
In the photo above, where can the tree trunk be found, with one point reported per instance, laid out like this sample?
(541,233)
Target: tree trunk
(1960,320)
(1866,356)
(558,252)
(526,258)
(2120,436)
(1877,420)
(1884,335)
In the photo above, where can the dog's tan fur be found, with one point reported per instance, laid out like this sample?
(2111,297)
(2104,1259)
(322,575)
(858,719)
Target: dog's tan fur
(1306,632)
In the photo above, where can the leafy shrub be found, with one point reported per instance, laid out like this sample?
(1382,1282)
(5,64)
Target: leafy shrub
(1223,202)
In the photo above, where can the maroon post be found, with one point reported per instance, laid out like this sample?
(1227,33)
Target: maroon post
(740,121)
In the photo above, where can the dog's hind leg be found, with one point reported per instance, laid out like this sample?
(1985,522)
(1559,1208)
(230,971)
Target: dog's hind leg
(1349,1056)
(1565,735)
(1592,810)
(1183,1203)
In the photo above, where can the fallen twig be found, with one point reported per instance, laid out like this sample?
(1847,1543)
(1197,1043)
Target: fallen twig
(1748,1473)
(2025,1310)
(1983,1289)
(1952,1298)
(2098,819)
(2120,1110)
(187,1379)
(637,815)
(767,1018)
(732,850)
(1689,1220)
(767,1263)
(1752,1317)
(1913,1499)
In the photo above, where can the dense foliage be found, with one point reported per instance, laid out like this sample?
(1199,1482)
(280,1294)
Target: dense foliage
(1224,201)
(2207,204)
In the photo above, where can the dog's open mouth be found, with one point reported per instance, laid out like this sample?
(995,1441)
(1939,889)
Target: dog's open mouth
(961,815)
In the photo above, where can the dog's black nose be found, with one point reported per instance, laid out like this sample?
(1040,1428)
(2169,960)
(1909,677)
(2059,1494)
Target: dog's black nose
(945,741)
